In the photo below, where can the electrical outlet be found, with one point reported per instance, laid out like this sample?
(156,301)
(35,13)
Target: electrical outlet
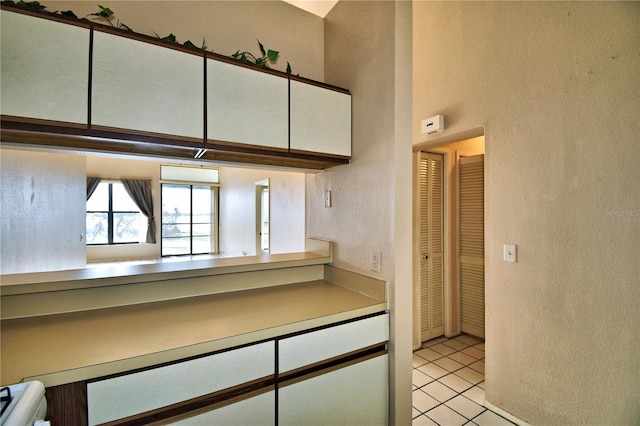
(374,261)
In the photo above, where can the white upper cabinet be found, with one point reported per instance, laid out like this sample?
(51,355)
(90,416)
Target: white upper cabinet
(246,106)
(320,120)
(146,88)
(45,69)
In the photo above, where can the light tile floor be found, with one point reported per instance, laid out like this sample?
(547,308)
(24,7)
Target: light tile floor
(448,384)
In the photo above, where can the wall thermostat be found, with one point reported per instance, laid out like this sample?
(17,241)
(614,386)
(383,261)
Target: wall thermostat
(433,124)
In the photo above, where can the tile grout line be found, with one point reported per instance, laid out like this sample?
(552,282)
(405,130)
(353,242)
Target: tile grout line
(472,385)
(443,341)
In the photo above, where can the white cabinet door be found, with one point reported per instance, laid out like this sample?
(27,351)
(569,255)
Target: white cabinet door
(258,410)
(246,106)
(353,395)
(147,88)
(45,69)
(135,393)
(320,120)
(316,346)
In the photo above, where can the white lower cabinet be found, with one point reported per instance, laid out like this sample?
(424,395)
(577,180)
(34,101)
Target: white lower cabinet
(135,393)
(316,346)
(257,410)
(353,395)
(335,375)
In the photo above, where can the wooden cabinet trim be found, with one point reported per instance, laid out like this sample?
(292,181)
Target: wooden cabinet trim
(43,14)
(331,364)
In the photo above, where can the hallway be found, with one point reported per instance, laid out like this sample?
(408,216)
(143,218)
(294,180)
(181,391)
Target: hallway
(448,384)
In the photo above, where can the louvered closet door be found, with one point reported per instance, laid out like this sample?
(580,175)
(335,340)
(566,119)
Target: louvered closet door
(431,246)
(472,244)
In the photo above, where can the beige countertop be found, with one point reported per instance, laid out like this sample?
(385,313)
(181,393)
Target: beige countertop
(67,347)
(119,273)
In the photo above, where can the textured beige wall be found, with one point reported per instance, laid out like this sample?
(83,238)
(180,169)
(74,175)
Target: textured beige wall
(226,26)
(238,212)
(367,50)
(556,86)
(39,227)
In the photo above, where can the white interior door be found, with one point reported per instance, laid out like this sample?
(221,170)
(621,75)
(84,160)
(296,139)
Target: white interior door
(431,245)
(471,260)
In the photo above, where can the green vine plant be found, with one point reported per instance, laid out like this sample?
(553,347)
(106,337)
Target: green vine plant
(268,56)
(263,61)
(107,15)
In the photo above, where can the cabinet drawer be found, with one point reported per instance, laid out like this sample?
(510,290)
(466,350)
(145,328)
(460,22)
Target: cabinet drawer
(256,410)
(309,348)
(135,393)
(356,394)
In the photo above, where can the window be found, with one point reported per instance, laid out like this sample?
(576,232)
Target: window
(188,219)
(113,217)
(189,211)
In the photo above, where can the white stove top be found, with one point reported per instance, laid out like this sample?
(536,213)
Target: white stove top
(23,404)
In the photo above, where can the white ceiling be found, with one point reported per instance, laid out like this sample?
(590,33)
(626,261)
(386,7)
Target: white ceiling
(317,7)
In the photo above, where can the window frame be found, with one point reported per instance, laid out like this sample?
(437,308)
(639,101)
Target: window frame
(110,217)
(215,234)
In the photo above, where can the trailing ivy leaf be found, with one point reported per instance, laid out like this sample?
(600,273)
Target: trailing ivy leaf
(273,55)
(262,62)
(31,5)
(126,27)
(170,37)
(261,48)
(105,12)
(204,45)
(68,13)
(189,44)
(288,68)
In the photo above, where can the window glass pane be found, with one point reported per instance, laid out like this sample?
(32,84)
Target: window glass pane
(176,246)
(127,227)
(176,204)
(99,200)
(97,228)
(202,245)
(202,204)
(202,229)
(121,200)
(172,230)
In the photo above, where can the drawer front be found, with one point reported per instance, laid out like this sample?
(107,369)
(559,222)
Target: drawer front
(316,346)
(135,393)
(257,410)
(357,394)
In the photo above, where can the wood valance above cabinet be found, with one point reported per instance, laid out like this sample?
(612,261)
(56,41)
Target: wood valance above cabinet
(70,83)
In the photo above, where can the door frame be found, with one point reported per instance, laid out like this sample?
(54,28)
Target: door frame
(260,186)
(448,146)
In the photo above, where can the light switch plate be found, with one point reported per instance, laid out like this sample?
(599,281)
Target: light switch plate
(510,253)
